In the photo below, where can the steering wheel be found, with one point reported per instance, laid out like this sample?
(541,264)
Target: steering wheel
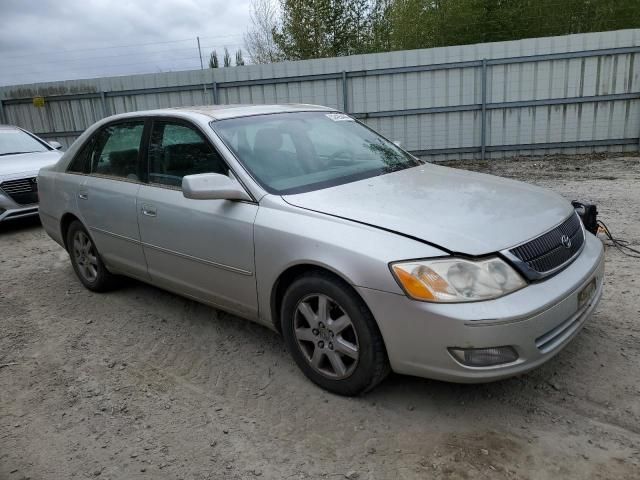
(334,158)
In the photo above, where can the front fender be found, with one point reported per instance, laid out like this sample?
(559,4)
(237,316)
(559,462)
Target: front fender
(287,236)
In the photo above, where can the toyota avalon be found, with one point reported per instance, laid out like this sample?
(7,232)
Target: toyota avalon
(300,218)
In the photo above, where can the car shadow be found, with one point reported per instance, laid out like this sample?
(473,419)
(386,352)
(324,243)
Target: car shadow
(420,388)
(409,390)
(20,224)
(241,335)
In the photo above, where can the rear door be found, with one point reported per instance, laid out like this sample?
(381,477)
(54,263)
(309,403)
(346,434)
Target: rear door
(107,199)
(200,248)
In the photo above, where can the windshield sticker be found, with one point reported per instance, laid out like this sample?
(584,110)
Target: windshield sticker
(339,117)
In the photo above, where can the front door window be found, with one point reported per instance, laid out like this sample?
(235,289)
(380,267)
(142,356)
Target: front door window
(177,150)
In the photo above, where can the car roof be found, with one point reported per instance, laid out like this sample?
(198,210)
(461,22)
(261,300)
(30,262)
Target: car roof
(222,112)
(8,127)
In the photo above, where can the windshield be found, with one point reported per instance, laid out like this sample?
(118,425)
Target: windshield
(299,152)
(14,141)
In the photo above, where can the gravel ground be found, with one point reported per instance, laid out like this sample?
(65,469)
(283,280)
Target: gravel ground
(143,384)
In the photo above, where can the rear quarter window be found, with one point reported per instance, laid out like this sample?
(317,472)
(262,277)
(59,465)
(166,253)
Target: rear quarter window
(80,163)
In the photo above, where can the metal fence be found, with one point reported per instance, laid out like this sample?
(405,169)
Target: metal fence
(570,94)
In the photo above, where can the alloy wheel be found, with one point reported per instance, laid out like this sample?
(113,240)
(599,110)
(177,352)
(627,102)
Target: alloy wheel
(85,256)
(326,336)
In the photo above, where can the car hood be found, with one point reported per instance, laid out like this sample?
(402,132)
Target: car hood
(458,210)
(26,163)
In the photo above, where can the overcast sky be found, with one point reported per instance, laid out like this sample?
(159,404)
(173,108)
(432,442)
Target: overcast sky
(44,40)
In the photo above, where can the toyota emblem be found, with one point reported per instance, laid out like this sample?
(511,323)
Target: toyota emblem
(565,241)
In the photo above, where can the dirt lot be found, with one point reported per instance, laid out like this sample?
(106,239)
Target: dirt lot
(140,383)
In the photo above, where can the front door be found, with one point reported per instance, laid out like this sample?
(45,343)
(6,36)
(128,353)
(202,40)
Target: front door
(107,199)
(200,248)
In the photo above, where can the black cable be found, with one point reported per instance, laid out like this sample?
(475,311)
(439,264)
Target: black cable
(620,244)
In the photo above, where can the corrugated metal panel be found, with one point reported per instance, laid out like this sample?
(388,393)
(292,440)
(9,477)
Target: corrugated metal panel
(448,79)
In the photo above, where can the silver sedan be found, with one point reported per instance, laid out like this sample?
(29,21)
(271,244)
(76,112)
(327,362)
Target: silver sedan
(22,154)
(300,218)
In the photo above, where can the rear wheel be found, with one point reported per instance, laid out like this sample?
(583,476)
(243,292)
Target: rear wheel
(86,260)
(332,335)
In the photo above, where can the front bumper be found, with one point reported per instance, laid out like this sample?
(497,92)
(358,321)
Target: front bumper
(537,321)
(10,210)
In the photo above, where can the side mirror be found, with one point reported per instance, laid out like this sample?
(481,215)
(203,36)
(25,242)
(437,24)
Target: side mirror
(55,145)
(212,186)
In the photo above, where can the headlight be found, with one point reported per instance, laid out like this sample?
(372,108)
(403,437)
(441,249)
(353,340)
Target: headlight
(452,280)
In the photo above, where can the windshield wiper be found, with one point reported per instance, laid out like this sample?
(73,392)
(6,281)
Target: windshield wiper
(16,153)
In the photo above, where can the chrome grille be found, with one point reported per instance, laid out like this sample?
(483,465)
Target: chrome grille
(23,190)
(547,252)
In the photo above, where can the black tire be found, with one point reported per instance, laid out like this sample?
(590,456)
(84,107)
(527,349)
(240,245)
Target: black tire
(371,366)
(103,279)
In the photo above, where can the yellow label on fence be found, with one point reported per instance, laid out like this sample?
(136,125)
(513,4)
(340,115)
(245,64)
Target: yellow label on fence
(38,102)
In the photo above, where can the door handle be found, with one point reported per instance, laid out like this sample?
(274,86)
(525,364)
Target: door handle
(149,210)
(83,196)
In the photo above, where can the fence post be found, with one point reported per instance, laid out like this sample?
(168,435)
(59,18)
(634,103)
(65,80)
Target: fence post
(345,98)
(483,128)
(2,117)
(105,107)
(214,91)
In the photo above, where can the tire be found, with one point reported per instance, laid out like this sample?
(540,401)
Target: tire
(86,260)
(323,319)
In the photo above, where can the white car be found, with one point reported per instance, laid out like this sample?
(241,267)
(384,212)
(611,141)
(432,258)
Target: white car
(22,155)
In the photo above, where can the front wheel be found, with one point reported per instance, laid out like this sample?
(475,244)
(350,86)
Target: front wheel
(332,335)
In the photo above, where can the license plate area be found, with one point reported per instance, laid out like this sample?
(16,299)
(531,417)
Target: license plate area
(586,293)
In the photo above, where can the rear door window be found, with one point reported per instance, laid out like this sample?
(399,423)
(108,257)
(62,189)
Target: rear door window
(116,151)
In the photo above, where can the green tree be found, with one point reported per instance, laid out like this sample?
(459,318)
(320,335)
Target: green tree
(239,59)
(380,26)
(435,23)
(304,29)
(213,60)
(226,59)
(322,28)
(355,26)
